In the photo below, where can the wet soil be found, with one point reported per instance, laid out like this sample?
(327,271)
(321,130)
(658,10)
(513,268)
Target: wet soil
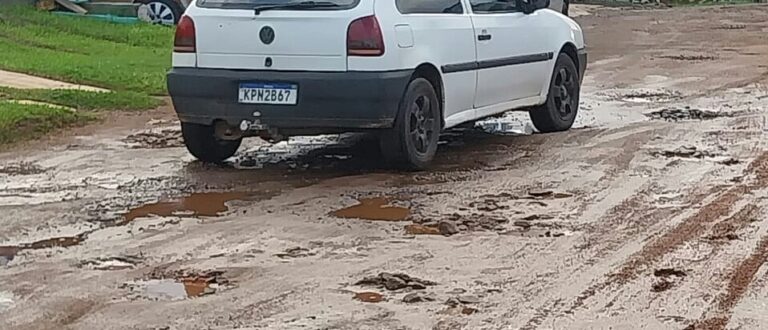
(649,213)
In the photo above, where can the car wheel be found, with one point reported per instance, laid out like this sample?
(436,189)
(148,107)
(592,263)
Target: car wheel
(559,111)
(202,143)
(412,143)
(165,12)
(565,7)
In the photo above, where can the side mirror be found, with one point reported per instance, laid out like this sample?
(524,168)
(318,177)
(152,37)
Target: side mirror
(534,5)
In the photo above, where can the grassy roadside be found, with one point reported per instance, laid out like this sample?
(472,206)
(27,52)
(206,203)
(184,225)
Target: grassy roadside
(128,59)
(26,121)
(123,57)
(84,100)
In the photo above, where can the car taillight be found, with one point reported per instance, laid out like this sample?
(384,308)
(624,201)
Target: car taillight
(364,37)
(184,41)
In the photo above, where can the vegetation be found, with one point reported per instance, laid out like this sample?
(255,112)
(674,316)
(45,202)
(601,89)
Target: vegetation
(24,121)
(128,59)
(122,57)
(84,100)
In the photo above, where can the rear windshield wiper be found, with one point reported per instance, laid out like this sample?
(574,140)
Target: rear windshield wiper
(295,5)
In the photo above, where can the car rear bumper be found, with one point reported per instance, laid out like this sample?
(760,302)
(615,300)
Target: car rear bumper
(332,100)
(582,54)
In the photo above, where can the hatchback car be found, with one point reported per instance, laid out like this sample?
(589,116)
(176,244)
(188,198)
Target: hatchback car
(403,69)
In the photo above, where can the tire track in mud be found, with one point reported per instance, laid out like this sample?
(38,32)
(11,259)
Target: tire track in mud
(633,215)
(693,227)
(738,283)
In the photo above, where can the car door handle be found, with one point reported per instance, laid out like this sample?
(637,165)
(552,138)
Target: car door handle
(483,37)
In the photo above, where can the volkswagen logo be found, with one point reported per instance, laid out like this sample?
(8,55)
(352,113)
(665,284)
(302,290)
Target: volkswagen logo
(267,35)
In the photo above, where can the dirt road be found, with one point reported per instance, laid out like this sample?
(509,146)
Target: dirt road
(649,214)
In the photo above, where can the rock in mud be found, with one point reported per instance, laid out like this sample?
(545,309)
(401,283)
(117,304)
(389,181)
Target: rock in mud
(296,252)
(540,192)
(448,228)
(392,282)
(417,297)
(416,229)
(667,272)
(662,285)
(468,299)
(523,224)
(395,282)
(729,161)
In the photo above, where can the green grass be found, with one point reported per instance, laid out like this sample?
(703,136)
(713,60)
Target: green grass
(84,100)
(129,59)
(25,121)
(120,57)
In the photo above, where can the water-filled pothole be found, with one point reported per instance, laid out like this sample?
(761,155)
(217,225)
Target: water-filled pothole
(178,285)
(208,204)
(377,208)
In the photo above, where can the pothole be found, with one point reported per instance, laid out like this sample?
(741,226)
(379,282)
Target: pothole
(683,152)
(644,95)
(8,253)
(686,113)
(688,57)
(178,285)
(208,204)
(376,209)
(156,138)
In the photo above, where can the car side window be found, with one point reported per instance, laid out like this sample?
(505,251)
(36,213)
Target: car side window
(430,6)
(495,6)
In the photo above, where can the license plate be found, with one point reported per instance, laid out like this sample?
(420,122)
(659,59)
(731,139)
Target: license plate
(268,93)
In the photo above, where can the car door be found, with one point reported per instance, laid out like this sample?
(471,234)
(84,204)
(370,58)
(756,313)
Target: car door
(440,32)
(512,51)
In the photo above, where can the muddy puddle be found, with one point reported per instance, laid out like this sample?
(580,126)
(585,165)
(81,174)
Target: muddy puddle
(8,253)
(178,286)
(376,209)
(209,204)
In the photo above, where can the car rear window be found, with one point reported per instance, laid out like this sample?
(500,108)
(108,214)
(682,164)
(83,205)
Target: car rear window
(250,4)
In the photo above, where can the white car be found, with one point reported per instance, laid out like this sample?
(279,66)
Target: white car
(405,69)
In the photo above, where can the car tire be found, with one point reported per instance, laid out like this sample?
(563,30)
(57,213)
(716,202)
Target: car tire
(202,143)
(412,143)
(559,111)
(164,12)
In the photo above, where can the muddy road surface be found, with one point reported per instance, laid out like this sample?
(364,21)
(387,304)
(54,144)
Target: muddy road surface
(650,213)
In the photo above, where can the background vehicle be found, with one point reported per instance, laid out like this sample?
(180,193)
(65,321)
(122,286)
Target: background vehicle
(412,69)
(166,12)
